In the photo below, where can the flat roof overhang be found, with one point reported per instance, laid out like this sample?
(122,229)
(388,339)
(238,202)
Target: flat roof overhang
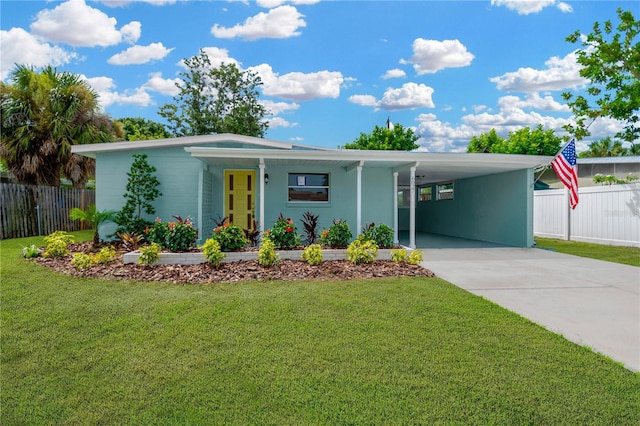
(430,167)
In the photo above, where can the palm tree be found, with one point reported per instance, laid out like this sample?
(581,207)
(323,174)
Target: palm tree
(604,147)
(93,217)
(43,115)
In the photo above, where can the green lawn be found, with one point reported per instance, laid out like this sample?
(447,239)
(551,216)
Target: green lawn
(388,351)
(626,255)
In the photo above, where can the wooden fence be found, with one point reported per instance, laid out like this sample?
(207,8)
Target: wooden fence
(28,210)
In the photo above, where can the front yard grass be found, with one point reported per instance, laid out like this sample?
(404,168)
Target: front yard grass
(387,351)
(618,254)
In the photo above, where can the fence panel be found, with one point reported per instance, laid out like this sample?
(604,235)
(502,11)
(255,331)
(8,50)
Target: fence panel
(28,210)
(604,215)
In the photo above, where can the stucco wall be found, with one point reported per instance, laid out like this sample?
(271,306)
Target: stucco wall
(177,172)
(377,197)
(496,208)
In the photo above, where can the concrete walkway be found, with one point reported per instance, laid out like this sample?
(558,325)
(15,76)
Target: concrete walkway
(590,302)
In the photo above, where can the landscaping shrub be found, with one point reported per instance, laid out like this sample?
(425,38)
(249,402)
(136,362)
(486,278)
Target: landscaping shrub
(312,254)
(284,233)
(82,261)
(175,236)
(360,252)
(130,241)
(253,234)
(381,234)
(399,255)
(415,257)
(310,225)
(31,251)
(337,236)
(57,243)
(142,190)
(105,255)
(212,252)
(149,254)
(267,255)
(229,236)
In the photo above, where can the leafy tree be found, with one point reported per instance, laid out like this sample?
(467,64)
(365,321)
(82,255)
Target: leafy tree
(524,141)
(604,147)
(43,114)
(142,189)
(216,100)
(93,217)
(141,129)
(487,142)
(383,138)
(611,62)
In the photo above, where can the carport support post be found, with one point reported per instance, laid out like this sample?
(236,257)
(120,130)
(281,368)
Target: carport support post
(261,180)
(395,208)
(412,209)
(359,197)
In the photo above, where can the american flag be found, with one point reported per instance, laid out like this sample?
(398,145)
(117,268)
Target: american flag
(566,168)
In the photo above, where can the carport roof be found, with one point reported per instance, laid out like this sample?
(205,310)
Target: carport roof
(246,151)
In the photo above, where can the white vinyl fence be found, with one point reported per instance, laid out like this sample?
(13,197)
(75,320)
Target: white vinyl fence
(604,215)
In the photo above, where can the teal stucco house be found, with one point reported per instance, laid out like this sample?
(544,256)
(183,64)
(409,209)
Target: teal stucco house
(486,197)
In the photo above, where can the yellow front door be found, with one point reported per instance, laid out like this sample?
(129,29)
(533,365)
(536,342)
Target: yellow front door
(239,189)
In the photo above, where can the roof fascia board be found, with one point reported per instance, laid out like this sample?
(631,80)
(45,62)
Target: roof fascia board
(89,149)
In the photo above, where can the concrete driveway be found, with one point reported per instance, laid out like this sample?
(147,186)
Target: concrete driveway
(590,302)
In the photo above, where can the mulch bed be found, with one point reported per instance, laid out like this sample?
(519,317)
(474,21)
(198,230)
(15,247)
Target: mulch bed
(287,270)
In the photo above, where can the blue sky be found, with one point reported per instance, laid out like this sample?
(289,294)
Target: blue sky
(450,70)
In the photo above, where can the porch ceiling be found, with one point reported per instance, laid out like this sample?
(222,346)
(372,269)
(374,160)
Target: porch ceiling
(430,167)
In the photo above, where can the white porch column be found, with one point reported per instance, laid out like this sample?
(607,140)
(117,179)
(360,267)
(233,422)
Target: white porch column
(261,179)
(412,209)
(359,198)
(395,208)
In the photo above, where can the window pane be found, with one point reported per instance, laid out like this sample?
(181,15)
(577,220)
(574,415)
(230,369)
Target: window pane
(308,194)
(308,179)
(425,194)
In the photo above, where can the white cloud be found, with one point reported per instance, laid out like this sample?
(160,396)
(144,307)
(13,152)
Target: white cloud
(165,86)
(118,3)
(564,7)
(217,56)
(77,24)
(561,73)
(431,56)
(19,47)
(524,7)
(268,4)
(105,88)
(409,96)
(281,22)
(280,122)
(394,73)
(140,54)
(297,86)
(364,100)
(275,108)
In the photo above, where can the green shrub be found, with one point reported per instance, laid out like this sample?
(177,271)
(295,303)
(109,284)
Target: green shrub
(362,252)
(82,261)
(312,254)
(57,244)
(381,234)
(399,255)
(267,255)
(284,233)
(105,255)
(212,252)
(175,236)
(30,251)
(149,254)
(415,257)
(229,236)
(337,236)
